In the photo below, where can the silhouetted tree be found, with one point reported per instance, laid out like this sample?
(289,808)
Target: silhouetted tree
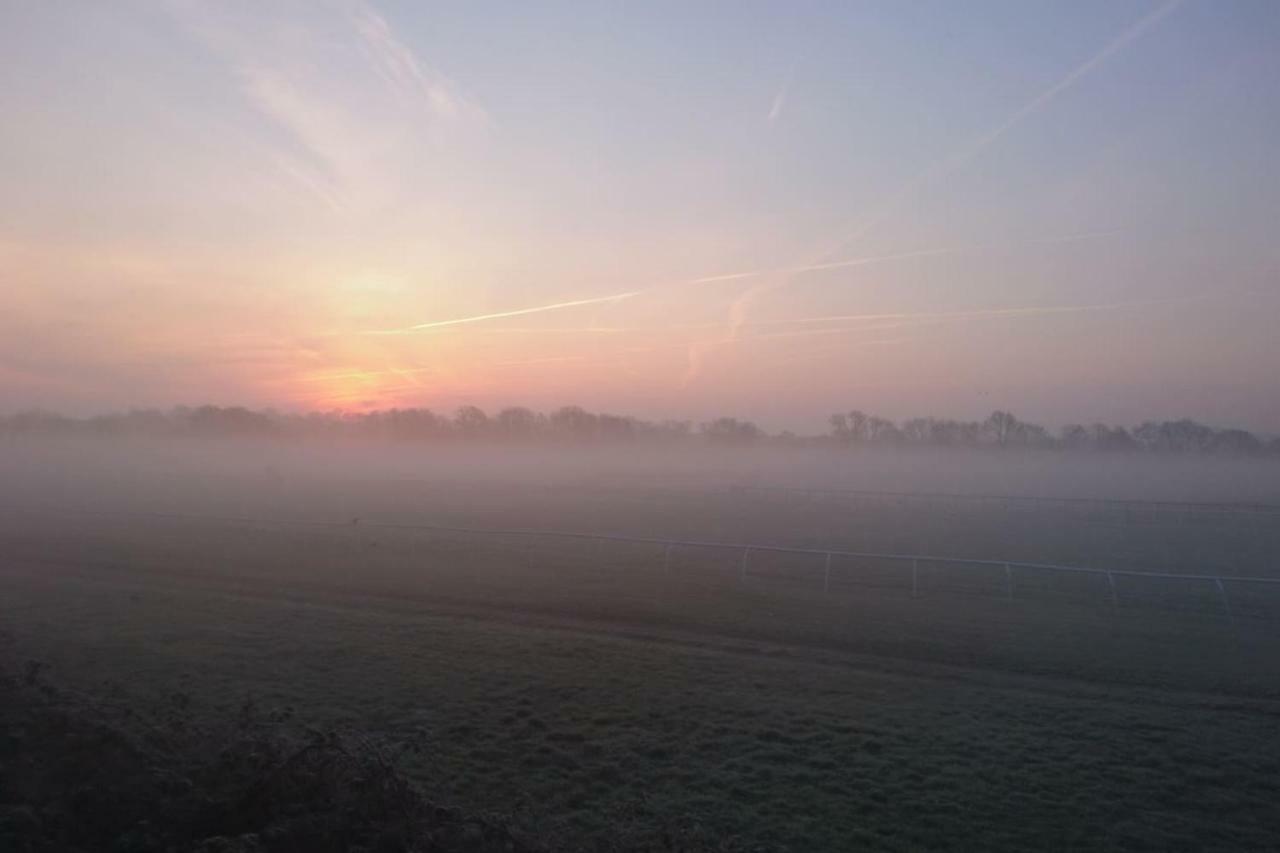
(840,427)
(916,430)
(949,433)
(517,422)
(232,421)
(615,427)
(853,427)
(882,430)
(730,431)
(1174,436)
(575,422)
(1236,441)
(1001,426)
(1111,438)
(1033,436)
(471,421)
(675,430)
(406,424)
(858,425)
(1075,437)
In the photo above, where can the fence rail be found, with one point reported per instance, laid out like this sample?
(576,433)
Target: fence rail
(913,561)
(1225,508)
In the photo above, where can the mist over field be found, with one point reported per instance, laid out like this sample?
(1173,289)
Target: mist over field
(653,427)
(843,632)
(339,479)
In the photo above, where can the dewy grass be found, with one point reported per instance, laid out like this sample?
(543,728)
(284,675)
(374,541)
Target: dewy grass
(600,693)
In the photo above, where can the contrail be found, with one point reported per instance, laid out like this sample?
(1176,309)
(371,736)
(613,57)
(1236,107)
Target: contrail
(896,256)
(967,154)
(871,322)
(962,157)
(830,265)
(906,320)
(982,312)
(480,318)
(738,308)
(695,350)
(884,320)
(618,297)
(563,330)
(779,101)
(709,279)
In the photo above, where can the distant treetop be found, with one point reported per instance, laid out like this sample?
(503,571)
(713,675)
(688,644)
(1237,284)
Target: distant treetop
(575,425)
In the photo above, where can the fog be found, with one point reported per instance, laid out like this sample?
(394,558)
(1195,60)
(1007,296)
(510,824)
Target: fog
(700,427)
(553,618)
(336,481)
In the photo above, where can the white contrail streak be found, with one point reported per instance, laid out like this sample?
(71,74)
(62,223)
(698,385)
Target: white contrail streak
(863,323)
(738,308)
(779,101)
(709,279)
(897,256)
(831,265)
(480,318)
(907,320)
(962,157)
(981,312)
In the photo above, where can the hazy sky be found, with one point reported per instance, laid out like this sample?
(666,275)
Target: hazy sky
(773,210)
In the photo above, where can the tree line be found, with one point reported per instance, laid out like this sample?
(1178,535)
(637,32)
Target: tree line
(574,424)
(1003,430)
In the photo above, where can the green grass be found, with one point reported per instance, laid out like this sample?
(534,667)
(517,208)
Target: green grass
(594,690)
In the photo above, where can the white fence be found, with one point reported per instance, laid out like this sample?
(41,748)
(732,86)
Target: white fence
(1180,508)
(912,562)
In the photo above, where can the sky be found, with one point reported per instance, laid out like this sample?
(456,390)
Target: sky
(767,210)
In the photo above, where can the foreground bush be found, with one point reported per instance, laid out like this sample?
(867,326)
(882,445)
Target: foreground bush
(82,773)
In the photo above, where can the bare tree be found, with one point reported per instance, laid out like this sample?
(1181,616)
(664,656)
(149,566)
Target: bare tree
(730,431)
(917,430)
(516,422)
(858,425)
(471,421)
(1001,426)
(882,430)
(840,427)
(575,422)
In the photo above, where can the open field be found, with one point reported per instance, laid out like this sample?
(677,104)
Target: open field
(596,684)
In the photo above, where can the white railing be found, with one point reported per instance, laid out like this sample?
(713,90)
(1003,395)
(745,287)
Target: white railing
(914,561)
(1186,507)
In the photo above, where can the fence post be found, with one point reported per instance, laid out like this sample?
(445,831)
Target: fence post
(1226,602)
(1111,582)
(1008,577)
(915,578)
(826,578)
(746,552)
(666,559)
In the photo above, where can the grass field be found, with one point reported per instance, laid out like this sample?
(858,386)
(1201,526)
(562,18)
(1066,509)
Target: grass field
(590,687)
